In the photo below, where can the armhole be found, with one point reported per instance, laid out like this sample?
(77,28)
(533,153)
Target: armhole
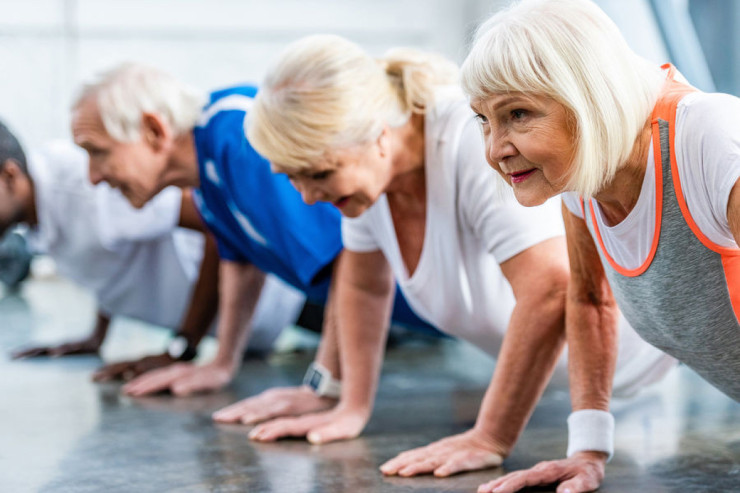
(681,199)
(657,159)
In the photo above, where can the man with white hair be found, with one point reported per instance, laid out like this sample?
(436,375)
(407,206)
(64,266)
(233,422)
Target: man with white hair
(144,131)
(140,263)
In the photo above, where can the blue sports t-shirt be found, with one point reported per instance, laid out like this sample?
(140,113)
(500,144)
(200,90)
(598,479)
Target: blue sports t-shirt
(258,216)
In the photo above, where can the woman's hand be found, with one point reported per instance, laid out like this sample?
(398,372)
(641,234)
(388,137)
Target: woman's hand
(274,403)
(468,451)
(579,473)
(318,428)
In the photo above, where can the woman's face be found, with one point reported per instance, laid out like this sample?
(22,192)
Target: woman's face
(529,141)
(351,178)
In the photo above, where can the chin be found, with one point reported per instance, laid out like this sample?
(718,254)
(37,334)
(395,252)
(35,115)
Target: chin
(529,199)
(352,212)
(136,201)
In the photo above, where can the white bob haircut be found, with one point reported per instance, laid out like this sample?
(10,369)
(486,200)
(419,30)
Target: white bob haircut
(126,92)
(570,51)
(325,93)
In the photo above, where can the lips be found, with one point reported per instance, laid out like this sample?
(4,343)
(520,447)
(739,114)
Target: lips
(341,202)
(520,176)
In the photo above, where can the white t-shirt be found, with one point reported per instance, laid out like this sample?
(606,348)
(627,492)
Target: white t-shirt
(707,150)
(473,224)
(137,262)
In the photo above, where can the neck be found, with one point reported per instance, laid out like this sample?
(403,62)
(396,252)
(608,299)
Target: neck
(30,216)
(619,196)
(408,158)
(182,167)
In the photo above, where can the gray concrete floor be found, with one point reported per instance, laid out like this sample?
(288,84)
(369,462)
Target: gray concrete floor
(59,432)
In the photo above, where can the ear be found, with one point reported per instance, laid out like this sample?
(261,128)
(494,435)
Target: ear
(384,141)
(10,170)
(11,174)
(154,131)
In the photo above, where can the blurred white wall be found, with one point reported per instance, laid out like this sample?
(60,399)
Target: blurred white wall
(47,47)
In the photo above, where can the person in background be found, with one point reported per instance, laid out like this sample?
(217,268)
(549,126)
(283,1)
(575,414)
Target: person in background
(144,131)
(15,260)
(649,172)
(136,263)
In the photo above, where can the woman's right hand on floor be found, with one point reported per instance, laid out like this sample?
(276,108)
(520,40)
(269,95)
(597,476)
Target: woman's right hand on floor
(318,428)
(467,451)
(274,403)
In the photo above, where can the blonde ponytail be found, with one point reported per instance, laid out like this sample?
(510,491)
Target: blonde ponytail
(415,75)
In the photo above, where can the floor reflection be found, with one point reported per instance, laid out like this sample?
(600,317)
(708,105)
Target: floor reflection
(59,432)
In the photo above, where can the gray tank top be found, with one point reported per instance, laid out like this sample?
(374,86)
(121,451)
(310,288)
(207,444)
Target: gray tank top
(681,303)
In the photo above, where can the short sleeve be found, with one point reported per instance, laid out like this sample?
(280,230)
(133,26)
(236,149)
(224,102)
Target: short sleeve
(488,206)
(357,234)
(573,202)
(708,154)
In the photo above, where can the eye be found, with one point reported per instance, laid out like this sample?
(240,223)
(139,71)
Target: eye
(320,175)
(481,119)
(518,114)
(95,151)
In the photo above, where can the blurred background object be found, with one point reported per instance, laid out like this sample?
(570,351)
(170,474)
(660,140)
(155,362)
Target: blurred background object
(48,46)
(15,259)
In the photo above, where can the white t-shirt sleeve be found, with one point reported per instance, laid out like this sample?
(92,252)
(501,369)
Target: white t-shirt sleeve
(357,233)
(708,155)
(488,206)
(120,222)
(573,202)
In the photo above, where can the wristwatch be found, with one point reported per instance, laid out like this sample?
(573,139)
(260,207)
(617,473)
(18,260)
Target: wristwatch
(322,381)
(180,349)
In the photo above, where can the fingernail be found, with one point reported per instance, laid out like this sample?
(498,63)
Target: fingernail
(314,437)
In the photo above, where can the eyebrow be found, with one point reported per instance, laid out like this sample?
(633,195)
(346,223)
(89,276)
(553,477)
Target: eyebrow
(510,100)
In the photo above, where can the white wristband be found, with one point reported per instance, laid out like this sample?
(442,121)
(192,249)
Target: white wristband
(591,429)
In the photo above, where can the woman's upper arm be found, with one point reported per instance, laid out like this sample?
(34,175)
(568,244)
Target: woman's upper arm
(368,271)
(733,211)
(540,269)
(588,281)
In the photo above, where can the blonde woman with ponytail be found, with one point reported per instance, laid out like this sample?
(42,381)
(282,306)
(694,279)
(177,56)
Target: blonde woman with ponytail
(393,144)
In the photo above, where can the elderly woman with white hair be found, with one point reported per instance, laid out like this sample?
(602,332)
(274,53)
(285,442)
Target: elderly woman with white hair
(648,167)
(393,144)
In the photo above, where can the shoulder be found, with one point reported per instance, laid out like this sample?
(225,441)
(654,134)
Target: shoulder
(219,131)
(709,112)
(60,164)
(233,100)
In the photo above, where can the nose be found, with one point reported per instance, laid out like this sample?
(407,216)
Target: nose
(498,146)
(94,174)
(309,193)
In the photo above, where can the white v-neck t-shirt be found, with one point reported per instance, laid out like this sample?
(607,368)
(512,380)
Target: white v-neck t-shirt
(474,224)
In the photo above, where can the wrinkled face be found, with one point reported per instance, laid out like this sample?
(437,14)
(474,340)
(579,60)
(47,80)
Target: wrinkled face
(134,167)
(530,141)
(351,178)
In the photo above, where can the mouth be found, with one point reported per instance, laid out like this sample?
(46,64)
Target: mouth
(341,202)
(520,176)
